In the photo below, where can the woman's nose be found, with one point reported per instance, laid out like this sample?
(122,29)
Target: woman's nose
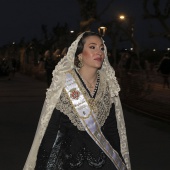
(99,51)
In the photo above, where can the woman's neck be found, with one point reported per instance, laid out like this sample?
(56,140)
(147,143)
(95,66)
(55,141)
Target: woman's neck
(89,75)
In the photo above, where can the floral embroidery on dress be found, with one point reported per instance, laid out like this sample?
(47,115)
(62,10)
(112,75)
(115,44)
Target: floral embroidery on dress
(74,94)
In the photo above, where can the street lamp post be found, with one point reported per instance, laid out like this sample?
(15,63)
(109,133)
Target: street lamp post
(102,30)
(130,33)
(123,18)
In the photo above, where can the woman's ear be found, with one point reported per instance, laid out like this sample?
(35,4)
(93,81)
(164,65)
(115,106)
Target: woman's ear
(80,57)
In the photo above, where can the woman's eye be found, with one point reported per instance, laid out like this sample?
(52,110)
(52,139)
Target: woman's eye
(92,47)
(102,48)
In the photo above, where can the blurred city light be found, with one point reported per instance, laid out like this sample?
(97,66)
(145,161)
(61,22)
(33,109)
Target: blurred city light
(122,17)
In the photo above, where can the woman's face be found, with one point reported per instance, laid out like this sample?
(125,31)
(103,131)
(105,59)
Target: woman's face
(93,52)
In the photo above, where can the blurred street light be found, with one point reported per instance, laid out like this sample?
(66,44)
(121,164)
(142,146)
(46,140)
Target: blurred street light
(121,17)
(130,23)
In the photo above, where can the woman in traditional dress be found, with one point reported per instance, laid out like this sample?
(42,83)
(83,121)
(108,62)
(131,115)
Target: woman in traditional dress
(81,126)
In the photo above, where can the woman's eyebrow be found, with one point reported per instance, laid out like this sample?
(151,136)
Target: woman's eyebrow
(92,43)
(96,44)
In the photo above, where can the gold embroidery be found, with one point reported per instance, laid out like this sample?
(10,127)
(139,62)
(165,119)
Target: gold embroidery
(100,105)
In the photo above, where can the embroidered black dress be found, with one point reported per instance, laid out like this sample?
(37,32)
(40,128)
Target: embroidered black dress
(65,147)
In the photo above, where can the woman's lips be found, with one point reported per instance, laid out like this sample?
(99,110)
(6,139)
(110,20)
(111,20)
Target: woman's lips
(98,59)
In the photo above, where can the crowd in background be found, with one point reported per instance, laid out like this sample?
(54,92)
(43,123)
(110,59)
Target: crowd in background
(40,62)
(8,67)
(29,60)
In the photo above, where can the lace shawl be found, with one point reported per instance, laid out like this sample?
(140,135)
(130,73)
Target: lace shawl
(53,95)
(101,107)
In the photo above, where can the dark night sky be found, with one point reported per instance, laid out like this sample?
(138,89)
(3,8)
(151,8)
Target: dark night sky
(23,18)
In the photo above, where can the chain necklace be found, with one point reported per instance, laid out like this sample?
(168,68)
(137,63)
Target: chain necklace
(91,85)
(92,88)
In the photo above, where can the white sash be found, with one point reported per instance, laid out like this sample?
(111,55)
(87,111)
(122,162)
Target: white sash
(89,121)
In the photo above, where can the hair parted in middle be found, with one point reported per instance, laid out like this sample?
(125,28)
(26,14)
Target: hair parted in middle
(81,46)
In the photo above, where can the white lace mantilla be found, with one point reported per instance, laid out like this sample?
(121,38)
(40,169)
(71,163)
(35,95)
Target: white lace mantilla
(101,106)
(102,103)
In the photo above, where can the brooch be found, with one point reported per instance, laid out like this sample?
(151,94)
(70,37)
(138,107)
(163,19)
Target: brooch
(74,94)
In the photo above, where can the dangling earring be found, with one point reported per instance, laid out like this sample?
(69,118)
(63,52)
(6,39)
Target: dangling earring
(80,64)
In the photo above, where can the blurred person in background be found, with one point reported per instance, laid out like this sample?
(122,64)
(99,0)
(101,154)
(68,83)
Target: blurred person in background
(164,69)
(49,65)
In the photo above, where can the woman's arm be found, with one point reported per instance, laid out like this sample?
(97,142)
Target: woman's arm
(48,141)
(110,130)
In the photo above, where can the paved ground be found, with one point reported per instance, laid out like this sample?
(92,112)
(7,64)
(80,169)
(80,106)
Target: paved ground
(21,100)
(154,100)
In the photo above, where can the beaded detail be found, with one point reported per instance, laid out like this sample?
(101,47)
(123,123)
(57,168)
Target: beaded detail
(101,104)
(42,159)
(62,158)
(96,85)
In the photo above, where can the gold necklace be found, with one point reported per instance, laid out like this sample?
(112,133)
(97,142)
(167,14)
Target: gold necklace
(91,85)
